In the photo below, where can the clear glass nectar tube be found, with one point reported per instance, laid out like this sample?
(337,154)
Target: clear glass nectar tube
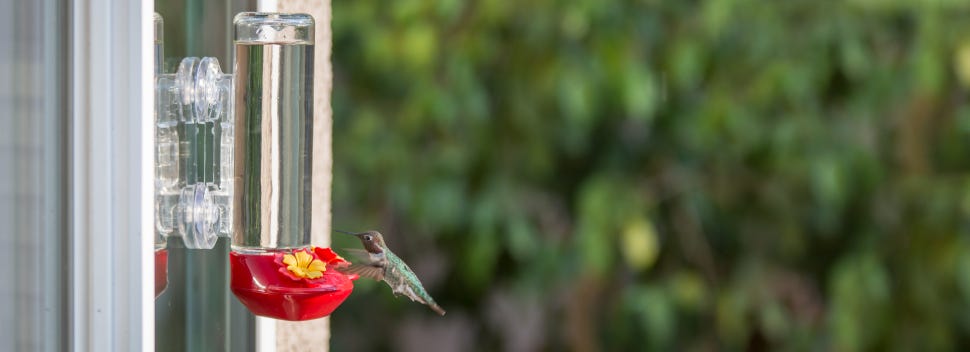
(273,91)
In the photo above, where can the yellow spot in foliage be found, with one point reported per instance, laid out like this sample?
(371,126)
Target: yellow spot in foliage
(962,63)
(640,245)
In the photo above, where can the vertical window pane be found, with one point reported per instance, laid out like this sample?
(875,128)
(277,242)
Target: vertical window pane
(33,253)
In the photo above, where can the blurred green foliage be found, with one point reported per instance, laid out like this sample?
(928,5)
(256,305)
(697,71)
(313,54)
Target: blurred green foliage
(662,175)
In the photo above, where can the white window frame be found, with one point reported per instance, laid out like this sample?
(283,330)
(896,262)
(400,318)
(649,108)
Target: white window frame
(110,192)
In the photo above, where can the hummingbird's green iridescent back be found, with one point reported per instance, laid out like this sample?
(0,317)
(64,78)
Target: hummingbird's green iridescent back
(402,272)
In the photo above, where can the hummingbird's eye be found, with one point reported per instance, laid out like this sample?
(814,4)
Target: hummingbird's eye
(367,238)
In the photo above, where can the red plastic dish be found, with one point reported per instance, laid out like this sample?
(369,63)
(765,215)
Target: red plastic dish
(161,271)
(261,282)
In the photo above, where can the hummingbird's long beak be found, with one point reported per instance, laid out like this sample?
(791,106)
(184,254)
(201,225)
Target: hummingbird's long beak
(345,232)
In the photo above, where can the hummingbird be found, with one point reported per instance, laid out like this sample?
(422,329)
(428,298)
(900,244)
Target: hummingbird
(383,265)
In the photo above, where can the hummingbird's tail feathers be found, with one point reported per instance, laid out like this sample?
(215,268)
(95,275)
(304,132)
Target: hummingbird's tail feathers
(437,309)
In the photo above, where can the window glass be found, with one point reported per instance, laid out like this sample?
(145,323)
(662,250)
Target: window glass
(34,270)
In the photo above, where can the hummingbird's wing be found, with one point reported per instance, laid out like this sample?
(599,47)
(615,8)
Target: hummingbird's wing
(368,271)
(368,268)
(358,253)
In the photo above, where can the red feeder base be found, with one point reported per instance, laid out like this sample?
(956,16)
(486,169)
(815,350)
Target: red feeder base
(260,283)
(161,271)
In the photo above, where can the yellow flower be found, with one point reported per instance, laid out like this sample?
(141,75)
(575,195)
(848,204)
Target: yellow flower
(303,265)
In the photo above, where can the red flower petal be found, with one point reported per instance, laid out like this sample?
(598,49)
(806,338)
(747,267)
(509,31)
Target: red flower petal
(328,256)
(286,272)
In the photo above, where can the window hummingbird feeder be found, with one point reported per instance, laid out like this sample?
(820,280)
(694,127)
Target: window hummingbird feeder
(261,125)
(275,271)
